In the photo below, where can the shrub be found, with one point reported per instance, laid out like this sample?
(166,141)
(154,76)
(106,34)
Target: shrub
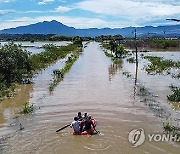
(28,108)
(175,97)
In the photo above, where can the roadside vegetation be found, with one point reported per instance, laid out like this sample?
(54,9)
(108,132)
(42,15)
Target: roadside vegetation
(117,50)
(52,53)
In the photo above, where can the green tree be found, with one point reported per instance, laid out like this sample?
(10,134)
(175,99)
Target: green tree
(15,64)
(77,40)
(113,46)
(120,51)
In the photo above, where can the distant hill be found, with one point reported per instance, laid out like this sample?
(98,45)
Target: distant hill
(54,27)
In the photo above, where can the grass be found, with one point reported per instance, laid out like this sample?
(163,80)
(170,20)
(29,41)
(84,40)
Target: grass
(114,59)
(170,128)
(159,65)
(108,54)
(142,89)
(28,108)
(69,63)
(51,54)
(131,60)
(143,92)
(106,46)
(175,97)
(127,74)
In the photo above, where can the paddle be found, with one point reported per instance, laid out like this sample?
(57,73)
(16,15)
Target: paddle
(63,128)
(98,132)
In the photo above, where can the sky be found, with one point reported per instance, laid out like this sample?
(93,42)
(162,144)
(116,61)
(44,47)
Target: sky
(89,13)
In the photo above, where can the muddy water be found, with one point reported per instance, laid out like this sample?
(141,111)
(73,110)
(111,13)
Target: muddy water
(93,85)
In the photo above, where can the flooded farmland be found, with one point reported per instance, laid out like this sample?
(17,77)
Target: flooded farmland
(98,86)
(37,47)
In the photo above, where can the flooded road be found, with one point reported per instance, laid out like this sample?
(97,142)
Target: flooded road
(94,85)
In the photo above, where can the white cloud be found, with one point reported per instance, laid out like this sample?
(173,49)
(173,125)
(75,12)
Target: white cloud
(6,1)
(4,12)
(45,2)
(62,9)
(120,13)
(129,8)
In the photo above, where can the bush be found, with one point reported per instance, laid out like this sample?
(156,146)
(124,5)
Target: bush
(51,54)
(78,41)
(175,97)
(28,108)
(15,63)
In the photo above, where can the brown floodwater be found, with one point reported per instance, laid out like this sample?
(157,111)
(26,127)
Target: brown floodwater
(94,85)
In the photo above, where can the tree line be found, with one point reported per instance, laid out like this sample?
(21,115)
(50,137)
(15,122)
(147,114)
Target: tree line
(39,37)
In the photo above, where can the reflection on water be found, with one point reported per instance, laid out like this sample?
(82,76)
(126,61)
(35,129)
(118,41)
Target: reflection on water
(87,88)
(113,69)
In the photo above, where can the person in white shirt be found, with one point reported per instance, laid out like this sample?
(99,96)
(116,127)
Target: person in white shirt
(75,125)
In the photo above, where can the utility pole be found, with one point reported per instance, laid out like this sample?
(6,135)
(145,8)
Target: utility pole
(135,36)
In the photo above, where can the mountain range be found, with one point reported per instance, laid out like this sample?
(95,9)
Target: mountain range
(55,27)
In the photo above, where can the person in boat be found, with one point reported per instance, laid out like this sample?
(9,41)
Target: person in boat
(79,116)
(89,125)
(85,116)
(75,125)
(80,119)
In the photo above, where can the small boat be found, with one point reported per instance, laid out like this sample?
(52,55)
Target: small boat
(90,132)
